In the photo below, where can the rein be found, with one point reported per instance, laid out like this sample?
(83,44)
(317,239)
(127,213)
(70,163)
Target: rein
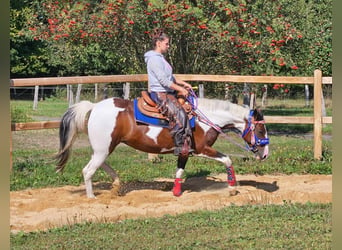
(192,99)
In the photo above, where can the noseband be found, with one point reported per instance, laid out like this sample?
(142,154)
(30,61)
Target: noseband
(255,140)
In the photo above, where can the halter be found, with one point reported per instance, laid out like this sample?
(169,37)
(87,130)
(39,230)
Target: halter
(255,140)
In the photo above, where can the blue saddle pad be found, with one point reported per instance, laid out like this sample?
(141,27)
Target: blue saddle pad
(140,117)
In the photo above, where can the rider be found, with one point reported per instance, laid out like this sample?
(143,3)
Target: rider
(163,90)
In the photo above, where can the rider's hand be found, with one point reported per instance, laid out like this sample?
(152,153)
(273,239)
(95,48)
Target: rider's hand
(187,85)
(184,92)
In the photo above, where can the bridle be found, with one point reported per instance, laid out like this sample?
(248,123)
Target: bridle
(255,140)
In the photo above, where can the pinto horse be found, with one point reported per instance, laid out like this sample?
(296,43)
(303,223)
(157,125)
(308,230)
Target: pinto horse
(112,121)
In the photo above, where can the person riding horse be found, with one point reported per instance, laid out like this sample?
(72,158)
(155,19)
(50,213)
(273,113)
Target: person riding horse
(164,88)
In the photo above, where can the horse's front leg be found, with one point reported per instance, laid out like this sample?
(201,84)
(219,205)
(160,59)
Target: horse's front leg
(225,159)
(231,179)
(181,162)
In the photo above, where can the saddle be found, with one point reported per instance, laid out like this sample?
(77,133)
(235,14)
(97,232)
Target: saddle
(148,107)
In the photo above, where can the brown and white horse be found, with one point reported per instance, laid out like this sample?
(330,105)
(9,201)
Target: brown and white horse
(112,121)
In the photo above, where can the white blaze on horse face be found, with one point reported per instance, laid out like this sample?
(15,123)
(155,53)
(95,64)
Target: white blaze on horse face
(153,132)
(264,153)
(101,124)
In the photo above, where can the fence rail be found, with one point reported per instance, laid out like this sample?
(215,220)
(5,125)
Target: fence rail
(317,80)
(46,81)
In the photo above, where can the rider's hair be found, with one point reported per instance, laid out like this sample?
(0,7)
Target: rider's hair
(158,35)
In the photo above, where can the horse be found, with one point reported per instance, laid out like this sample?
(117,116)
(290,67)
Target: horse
(112,121)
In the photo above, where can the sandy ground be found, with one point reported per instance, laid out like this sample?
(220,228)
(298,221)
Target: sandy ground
(42,209)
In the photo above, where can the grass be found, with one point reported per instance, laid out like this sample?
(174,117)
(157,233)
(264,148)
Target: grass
(49,108)
(287,226)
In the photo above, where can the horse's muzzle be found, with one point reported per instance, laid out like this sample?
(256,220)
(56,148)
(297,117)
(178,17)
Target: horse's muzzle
(262,153)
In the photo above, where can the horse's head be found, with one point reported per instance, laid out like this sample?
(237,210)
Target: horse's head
(255,134)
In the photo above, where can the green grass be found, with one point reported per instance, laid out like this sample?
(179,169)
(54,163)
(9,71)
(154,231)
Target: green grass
(287,226)
(49,108)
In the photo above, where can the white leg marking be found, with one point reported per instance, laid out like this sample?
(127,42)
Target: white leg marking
(225,159)
(179,172)
(89,170)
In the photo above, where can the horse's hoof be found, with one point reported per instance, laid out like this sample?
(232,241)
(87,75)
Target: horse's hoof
(177,193)
(232,191)
(116,188)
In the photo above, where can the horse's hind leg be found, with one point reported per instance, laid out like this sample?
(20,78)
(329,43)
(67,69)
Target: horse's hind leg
(112,173)
(97,159)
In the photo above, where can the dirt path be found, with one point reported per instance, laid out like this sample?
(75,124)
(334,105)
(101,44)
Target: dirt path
(41,209)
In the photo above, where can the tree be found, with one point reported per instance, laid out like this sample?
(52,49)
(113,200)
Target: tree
(256,37)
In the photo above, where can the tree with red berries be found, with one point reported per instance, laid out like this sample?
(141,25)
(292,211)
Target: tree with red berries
(247,37)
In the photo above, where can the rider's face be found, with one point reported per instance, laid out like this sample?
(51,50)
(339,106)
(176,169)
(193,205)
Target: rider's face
(163,45)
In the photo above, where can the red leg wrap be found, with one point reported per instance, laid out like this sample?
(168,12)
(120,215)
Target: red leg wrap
(231,176)
(177,187)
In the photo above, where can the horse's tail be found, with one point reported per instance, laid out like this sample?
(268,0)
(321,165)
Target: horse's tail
(73,122)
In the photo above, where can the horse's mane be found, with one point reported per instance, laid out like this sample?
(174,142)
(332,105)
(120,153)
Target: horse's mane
(222,112)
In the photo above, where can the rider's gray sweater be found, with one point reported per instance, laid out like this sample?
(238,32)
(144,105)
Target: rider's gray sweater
(159,72)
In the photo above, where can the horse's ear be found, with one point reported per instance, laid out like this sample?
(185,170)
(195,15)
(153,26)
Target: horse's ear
(258,114)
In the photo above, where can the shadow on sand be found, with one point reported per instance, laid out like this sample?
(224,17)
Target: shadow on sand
(193,184)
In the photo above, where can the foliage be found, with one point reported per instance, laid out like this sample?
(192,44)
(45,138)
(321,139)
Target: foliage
(211,37)
(298,226)
(28,57)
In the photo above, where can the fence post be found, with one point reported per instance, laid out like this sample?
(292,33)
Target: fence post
(35,100)
(126,88)
(78,93)
(317,114)
(307,96)
(201,90)
(95,98)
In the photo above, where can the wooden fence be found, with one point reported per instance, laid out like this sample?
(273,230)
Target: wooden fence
(317,80)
